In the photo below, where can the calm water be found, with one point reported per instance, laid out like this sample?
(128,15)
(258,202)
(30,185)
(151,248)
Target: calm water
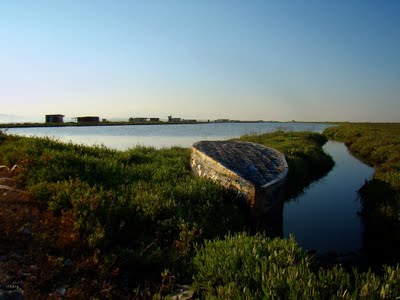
(325,217)
(127,136)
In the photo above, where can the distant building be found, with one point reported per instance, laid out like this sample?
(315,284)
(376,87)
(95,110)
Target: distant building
(88,119)
(138,120)
(54,118)
(154,119)
(175,119)
(221,120)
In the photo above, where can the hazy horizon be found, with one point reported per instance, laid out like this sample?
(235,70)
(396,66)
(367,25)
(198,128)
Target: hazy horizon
(259,60)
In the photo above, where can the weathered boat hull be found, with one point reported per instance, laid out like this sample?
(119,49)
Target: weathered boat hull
(255,172)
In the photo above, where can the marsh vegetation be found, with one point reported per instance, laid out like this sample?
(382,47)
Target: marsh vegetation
(106,223)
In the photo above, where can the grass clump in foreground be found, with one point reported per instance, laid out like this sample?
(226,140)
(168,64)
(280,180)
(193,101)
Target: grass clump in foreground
(257,267)
(103,223)
(379,146)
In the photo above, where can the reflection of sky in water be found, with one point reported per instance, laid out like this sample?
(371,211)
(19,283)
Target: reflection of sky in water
(123,137)
(325,216)
(126,142)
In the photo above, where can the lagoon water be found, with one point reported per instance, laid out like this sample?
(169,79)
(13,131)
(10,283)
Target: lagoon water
(127,136)
(324,218)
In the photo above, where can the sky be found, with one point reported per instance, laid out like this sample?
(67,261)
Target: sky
(207,59)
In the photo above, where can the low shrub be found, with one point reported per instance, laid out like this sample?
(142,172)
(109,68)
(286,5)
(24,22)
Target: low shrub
(256,267)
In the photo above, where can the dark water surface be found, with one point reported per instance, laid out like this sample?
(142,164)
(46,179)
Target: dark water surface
(325,217)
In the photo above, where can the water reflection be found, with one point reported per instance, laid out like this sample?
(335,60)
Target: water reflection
(325,216)
(124,143)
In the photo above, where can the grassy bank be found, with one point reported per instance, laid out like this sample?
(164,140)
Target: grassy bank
(379,146)
(89,221)
(376,144)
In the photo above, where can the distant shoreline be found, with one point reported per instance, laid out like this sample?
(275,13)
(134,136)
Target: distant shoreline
(124,123)
(72,124)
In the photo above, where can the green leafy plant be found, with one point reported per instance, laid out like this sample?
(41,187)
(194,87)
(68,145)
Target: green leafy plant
(257,267)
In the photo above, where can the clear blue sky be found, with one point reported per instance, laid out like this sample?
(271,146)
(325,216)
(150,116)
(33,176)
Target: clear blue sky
(272,60)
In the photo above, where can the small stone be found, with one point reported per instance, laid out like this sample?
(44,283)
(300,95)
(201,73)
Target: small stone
(11,295)
(183,292)
(26,232)
(61,291)
(68,263)
(11,292)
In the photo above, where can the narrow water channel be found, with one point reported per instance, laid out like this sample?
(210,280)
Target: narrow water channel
(325,217)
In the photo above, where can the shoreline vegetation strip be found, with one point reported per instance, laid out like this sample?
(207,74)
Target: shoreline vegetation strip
(378,145)
(94,222)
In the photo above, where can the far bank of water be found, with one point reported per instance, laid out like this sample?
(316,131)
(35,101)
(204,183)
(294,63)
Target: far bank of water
(326,216)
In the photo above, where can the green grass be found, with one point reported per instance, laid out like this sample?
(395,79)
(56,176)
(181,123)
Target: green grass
(256,267)
(142,212)
(139,199)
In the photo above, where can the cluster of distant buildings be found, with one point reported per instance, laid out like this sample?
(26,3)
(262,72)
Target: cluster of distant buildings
(58,118)
(170,119)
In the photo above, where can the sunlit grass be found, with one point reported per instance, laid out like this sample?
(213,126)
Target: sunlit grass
(142,211)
